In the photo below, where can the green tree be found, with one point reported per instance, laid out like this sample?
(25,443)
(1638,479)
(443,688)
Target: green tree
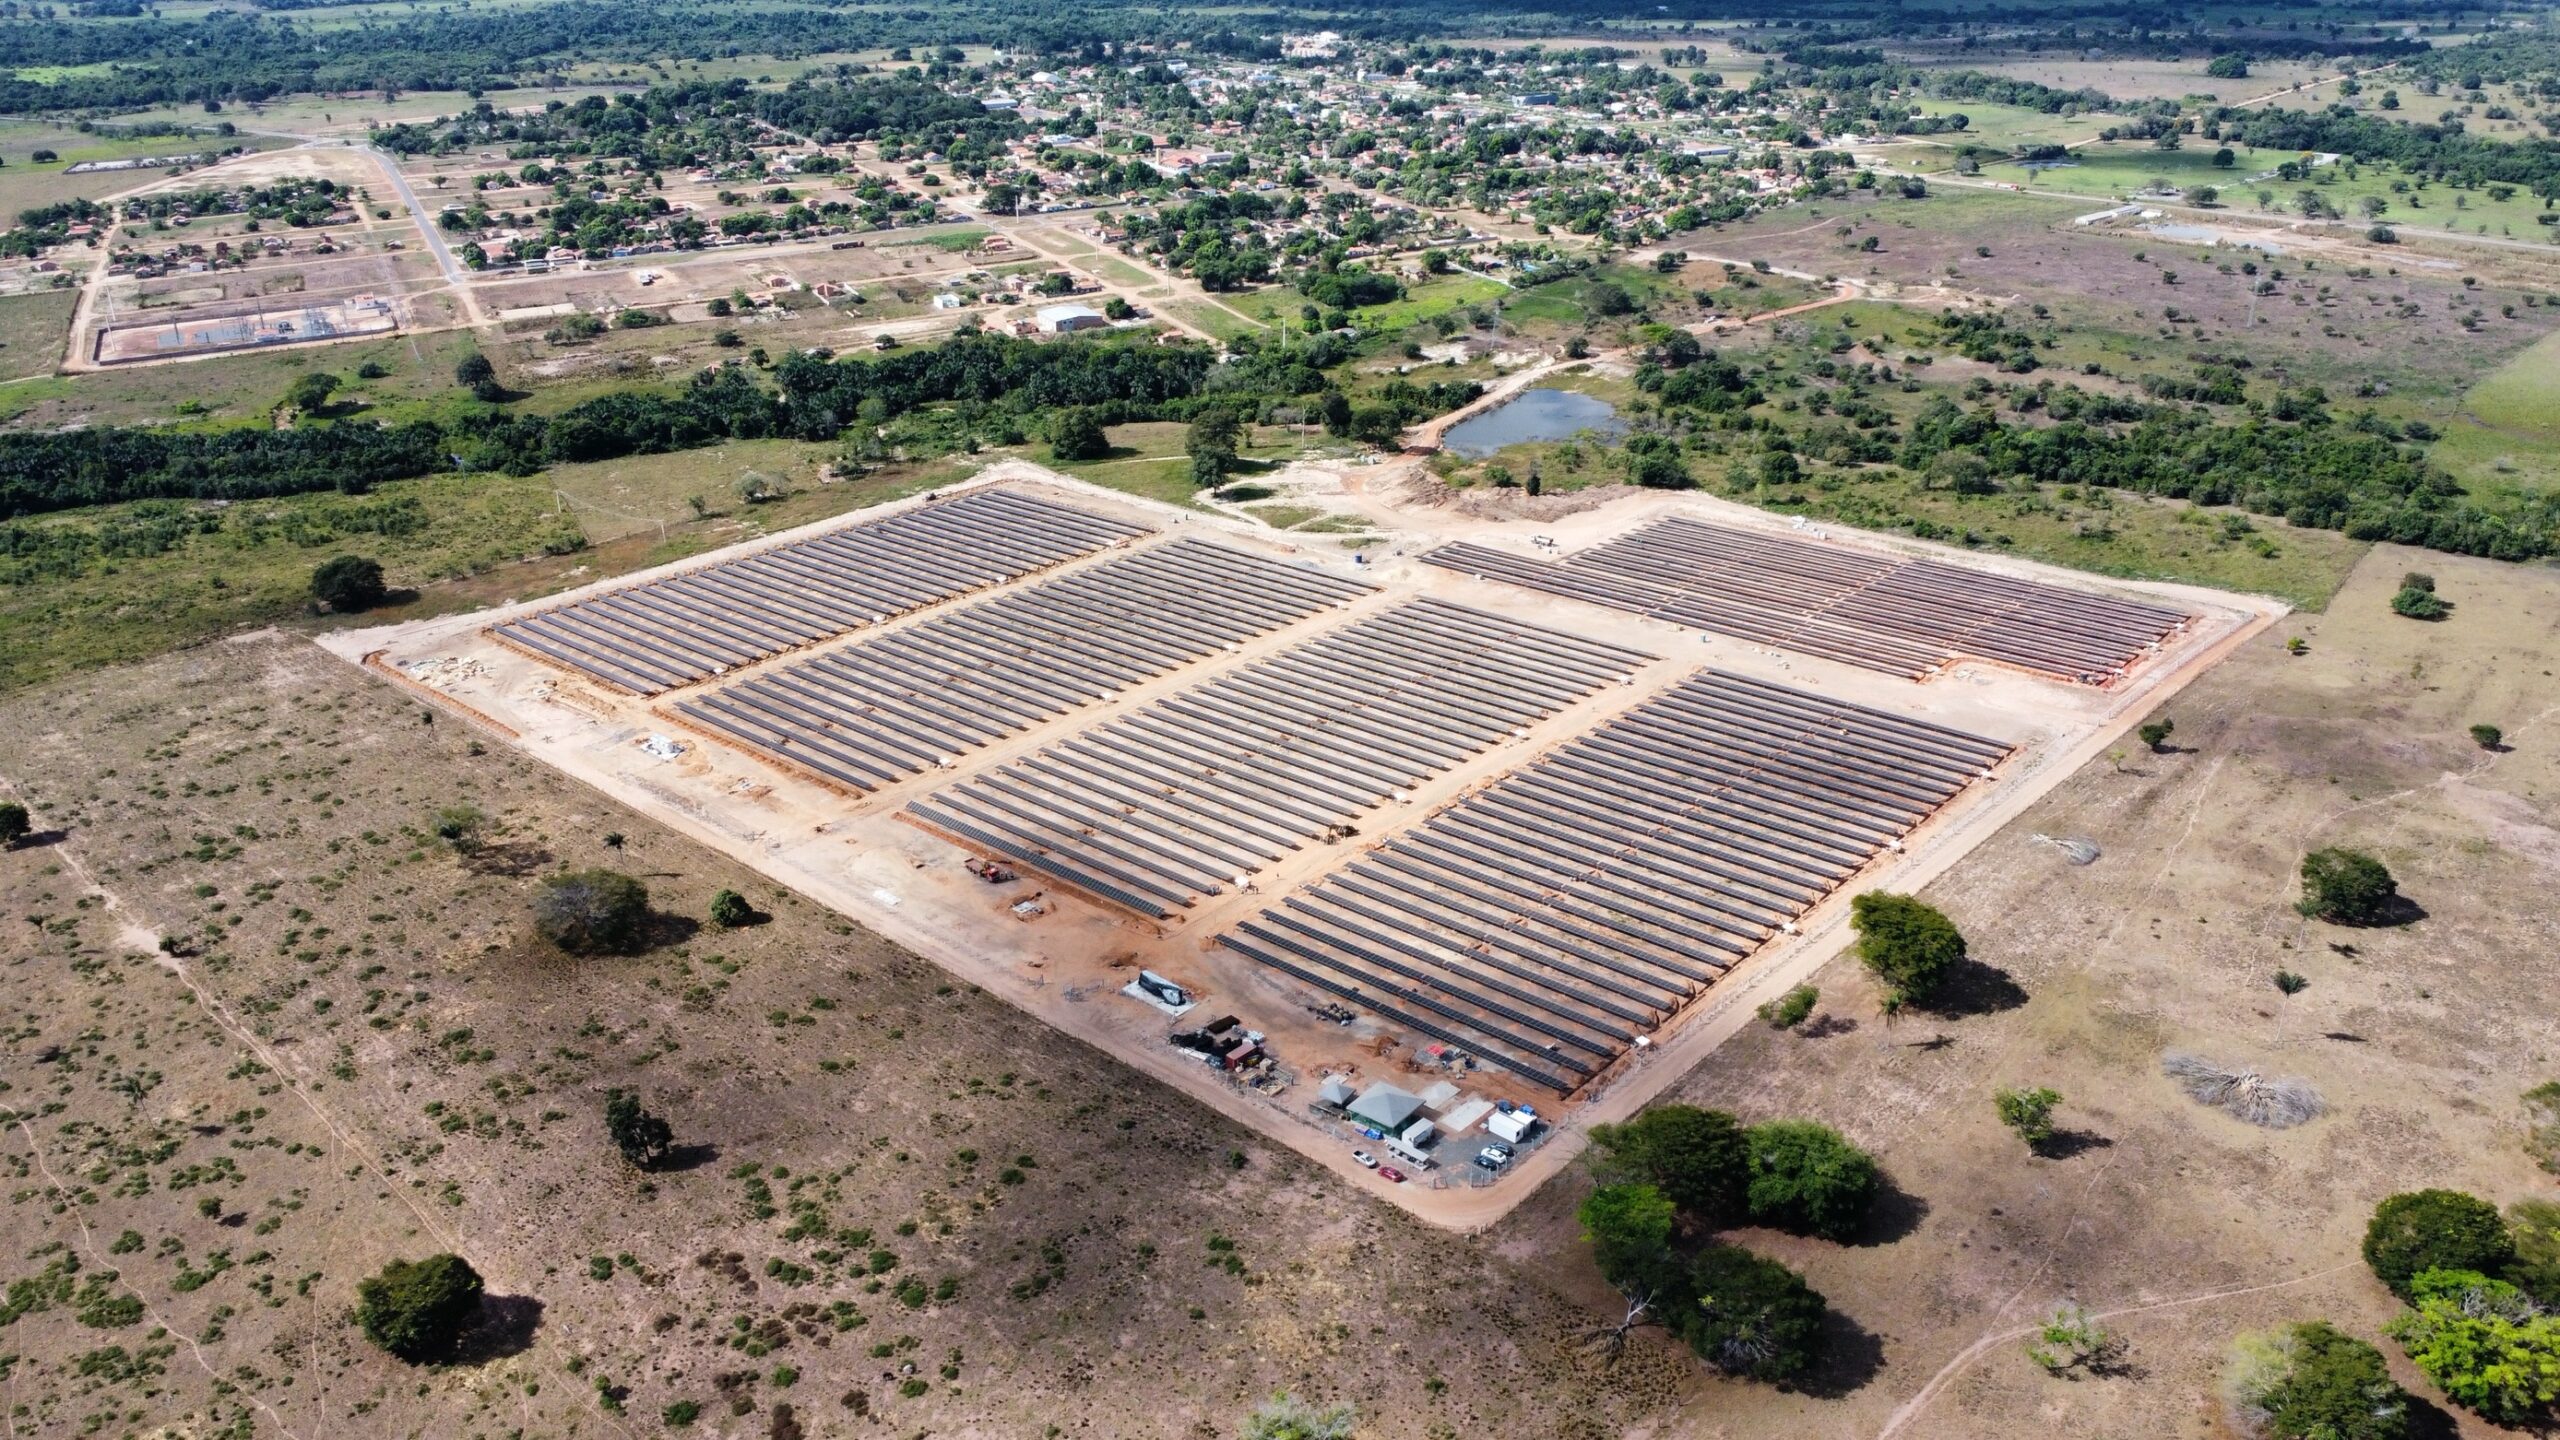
(593,912)
(2488,737)
(348,583)
(419,1309)
(1908,944)
(2156,733)
(2347,887)
(2029,1112)
(308,393)
(729,910)
(1806,1177)
(1696,1157)
(1629,1228)
(2484,1344)
(2417,598)
(1077,435)
(473,371)
(642,1137)
(2313,1381)
(1750,1316)
(14,824)
(2534,1226)
(1211,443)
(2422,1230)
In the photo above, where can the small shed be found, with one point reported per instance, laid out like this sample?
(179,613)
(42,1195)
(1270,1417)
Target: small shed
(1334,1092)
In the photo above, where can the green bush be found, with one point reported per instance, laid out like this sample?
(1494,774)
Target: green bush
(2347,887)
(2484,1344)
(729,910)
(1750,1316)
(2313,1381)
(2029,1112)
(14,824)
(2542,1125)
(2487,737)
(2423,1230)
(593,912)
(642,1137)
(348,584)
(2534,1226)
(1077,435)
(1806,1177)
(1909,945)
(1629,1229)
(1789,1010)
(1697,1158)
(419,1309)
(2417,598)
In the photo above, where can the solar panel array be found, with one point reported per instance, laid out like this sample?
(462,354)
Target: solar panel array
(1905,618)
(1174,801)
(663,634)
(1545,922)
(875,712)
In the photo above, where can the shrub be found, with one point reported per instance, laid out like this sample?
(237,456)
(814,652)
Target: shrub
(592,912)
(643,1138)
(2542,1125)
(729,910)
(1789,1010)
(2313,1381)
(2534,1226)
(419,1309)
(681,1413)
(2290,982)
(1698,1158)
(2417,598)
(1750,1316)
(2423,1230)
(348,584)
(2157,733)
(2029,1112)
(1907,944)
(14,824)
(2484,1344)
(2347,887)
(2487,737)
(1806,1177)
(1286,1417)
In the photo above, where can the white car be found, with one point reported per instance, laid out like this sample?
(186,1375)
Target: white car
(1496,1156)
(1367,1160)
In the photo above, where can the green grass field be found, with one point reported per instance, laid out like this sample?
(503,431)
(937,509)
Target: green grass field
(32,331)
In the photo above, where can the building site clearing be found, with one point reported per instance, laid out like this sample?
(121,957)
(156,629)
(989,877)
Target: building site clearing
(1415,869)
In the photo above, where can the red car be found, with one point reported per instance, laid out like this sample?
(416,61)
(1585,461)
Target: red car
(1392,1173)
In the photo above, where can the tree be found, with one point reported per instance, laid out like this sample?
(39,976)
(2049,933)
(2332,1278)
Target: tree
(642,1137)
(2534,1226)
(1806,1177)
(2157,733)
(2347,887)
(2227,67)
(473,371)
(593,912)
(1696,1157)
(308,393)
(2417,598)
(1906,943)
(348,583)
(729,910)
(2488,737)
(2484,1344)
(2029,1112)
(2422,1230)
(1211,443)
(1629,1228)
(419,1309)
(2313,1381)
(1750,1316)
(2223,159)
(14,824)
(1286,1417)
(1077,435)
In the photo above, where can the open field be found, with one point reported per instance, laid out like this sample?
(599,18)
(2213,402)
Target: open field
(32,331)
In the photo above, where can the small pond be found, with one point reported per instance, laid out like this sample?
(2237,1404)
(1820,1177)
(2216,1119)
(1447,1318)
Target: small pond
(1540,414)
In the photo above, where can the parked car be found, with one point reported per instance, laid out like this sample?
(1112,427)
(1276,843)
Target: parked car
(1392,1173)
(1366,1160)
(1495,1156)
